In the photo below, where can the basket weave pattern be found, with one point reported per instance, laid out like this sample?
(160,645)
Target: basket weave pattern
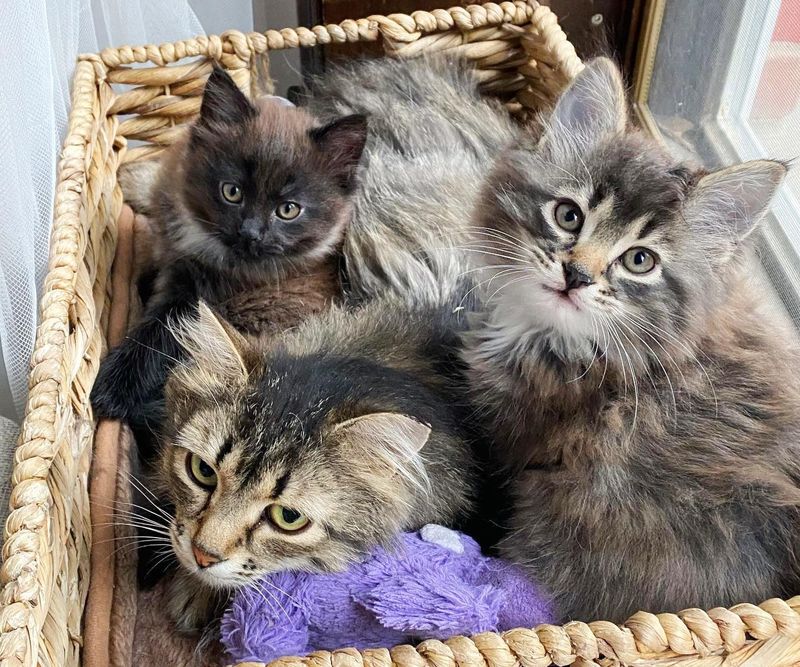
(520,53)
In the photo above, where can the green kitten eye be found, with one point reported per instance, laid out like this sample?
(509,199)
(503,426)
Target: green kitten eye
(200,472)
(639,260)
(288,210)
(568,216)
(232,193)
(286,519)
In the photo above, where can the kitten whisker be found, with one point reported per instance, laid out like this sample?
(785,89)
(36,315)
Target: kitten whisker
(156,519)
(486,268)
(148,495)
(508,284)
(489,252)
(690,355)
(163,558)
(658,360)
(633,380)
(140,526)
(154,349)
(503,238)
(484,282)
(594,325)
(121,538)
(257,587)
(628,327)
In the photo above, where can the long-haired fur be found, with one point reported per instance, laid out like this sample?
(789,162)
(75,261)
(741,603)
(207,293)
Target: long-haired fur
(646,404)
(431,141)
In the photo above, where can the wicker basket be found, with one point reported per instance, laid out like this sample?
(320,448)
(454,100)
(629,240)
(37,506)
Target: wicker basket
(522,54)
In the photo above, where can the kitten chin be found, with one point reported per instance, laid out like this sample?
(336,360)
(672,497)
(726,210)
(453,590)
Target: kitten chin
(646,407)
(308,451)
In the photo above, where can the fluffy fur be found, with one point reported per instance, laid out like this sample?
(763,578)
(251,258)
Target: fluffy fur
(651,420)
(431,141)
(357,420)
(262,271)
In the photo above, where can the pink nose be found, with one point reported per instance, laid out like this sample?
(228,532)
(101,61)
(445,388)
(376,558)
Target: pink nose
(203,558)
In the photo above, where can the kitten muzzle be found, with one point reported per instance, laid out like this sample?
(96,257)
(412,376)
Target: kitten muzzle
(576,277)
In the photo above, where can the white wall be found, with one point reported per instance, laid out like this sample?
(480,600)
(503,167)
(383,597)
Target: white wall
(217,16)
(284,65)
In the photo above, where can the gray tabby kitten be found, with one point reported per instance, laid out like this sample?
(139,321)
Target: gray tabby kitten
(305,452)
(647,405)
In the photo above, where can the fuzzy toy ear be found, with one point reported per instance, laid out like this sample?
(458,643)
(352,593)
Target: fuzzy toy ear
(729,203)
(223,102)
(342,142)
(591,109)
(215,347)
(442,536)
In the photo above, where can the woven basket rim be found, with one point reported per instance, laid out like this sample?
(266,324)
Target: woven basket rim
(397,28)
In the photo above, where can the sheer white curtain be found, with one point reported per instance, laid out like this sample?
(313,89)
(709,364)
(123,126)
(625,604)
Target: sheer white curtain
(39,41)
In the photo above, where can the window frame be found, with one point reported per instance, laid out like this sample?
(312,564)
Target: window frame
(727,134)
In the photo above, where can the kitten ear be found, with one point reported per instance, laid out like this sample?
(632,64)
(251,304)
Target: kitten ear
(223,102)
(342,143)
(395,432)
(214,345)
(729,203)
(385,446)
(592,108)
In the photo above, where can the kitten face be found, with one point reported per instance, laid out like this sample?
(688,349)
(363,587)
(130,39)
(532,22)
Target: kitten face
(260,182)
(265,479)
(597,242)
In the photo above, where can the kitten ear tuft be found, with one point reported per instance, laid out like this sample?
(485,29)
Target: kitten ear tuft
(731,202)
(400,432)
(386,445)
(592,108)
(389,442)
(342,142)
(213,345)
(223,102)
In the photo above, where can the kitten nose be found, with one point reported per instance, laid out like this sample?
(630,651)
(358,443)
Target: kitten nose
(574,277)
(203,558)
(252,229)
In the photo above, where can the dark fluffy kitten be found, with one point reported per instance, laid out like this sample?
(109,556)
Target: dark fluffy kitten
(647,404)
(249,208)
(306,452)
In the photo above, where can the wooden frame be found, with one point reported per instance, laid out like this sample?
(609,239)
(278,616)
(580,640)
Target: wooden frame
(645,63)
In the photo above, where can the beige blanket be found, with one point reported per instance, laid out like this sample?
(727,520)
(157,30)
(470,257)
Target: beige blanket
(123,626)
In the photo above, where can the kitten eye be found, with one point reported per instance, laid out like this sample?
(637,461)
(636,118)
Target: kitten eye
(288,210)
(639,260)
(568,216)
(286,519)
(232,193)
(200,472)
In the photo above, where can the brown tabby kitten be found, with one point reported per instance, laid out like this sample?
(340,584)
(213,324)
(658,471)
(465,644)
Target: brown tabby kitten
(646,404)
(306,452)
(249,209)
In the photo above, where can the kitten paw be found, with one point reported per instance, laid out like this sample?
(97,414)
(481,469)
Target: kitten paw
(108,393)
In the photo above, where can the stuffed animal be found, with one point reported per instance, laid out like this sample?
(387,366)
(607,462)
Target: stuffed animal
(434,584)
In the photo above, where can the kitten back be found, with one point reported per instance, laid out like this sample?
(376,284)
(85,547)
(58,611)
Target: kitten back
(432,139)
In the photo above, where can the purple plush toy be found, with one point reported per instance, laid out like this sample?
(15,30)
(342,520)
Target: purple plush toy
(435,585)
